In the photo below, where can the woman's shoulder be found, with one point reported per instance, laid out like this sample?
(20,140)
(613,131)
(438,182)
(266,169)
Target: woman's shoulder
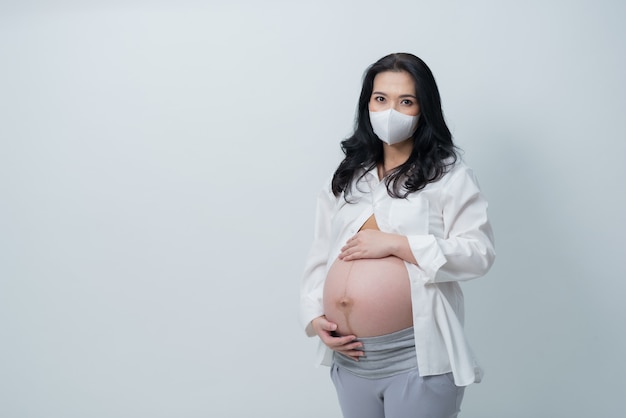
(457,172)
(460,175)
(457,166)
(326,191)
(363,180)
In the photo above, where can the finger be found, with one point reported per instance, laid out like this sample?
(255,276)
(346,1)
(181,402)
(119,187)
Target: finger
(331,341)
(353,255)
(353,354)
(324,324)
(343,342)
(349,244)
(354,346)
(339,343)
(345,252)
(329,326)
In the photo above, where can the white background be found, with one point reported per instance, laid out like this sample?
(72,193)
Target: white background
(159,163)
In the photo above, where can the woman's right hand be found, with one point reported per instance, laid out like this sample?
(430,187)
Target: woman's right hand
(346,345)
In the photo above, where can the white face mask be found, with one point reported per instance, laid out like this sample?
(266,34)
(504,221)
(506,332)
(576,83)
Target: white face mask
(392,126)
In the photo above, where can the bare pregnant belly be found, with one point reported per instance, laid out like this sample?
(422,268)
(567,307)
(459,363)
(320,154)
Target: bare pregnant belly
(368,297)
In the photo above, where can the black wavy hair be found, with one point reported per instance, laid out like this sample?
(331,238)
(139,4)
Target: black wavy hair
(433,150)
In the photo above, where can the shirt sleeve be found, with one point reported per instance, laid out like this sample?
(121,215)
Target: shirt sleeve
(466,251)
(312,285)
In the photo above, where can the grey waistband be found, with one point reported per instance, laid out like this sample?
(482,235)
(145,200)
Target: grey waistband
(385,355)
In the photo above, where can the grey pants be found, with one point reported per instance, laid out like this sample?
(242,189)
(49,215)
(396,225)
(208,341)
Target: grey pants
(404,395)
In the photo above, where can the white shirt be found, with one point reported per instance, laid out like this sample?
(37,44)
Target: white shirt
(450,236)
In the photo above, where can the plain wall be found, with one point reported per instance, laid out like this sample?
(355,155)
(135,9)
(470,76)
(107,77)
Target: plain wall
(159,163)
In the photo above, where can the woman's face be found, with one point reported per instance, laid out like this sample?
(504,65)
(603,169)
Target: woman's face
(395,90)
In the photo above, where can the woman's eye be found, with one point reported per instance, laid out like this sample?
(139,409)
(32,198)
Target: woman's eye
(379,99)
(407,102)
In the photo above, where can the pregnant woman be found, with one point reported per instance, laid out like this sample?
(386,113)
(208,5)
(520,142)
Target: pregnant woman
(399,224)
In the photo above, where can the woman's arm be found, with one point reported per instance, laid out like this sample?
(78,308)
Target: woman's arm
(465,252)
(312,287)
(312,284)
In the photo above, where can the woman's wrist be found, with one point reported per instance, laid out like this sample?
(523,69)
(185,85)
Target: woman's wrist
(400,248)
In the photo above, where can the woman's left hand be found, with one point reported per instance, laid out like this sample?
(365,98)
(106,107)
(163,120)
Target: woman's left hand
(369,243)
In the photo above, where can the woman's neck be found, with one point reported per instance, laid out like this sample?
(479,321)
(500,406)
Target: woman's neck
(394,156)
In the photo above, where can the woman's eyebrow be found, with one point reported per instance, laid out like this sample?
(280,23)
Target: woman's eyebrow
(402,95)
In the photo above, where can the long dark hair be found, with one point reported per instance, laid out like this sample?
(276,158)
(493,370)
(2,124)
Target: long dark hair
(433,150)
